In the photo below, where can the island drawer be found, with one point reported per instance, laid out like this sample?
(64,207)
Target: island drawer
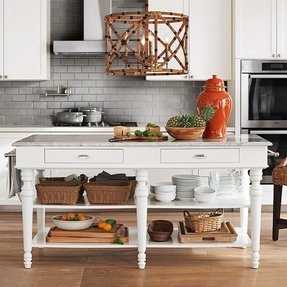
(198,155)
(84,156)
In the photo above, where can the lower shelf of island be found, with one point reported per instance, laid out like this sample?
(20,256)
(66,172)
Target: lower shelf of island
(243,241)
(237,201)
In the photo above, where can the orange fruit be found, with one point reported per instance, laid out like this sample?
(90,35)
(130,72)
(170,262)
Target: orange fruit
(71,216)
(107,227)
(101,224)
(64,217)
(81,217)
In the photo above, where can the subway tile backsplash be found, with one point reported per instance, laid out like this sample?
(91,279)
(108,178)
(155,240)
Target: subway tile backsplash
(122,98)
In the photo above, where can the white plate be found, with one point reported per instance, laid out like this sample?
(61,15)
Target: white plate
(185,198)
(186,176)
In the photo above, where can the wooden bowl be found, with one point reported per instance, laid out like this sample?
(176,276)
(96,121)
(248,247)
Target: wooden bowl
(185,133)
(160,230)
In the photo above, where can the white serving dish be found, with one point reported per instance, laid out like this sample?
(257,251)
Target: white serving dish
(73,225)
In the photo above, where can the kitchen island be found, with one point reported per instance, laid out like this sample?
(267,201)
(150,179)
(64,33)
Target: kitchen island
(245,152)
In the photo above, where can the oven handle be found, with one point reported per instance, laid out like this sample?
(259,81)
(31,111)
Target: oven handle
(268,76)
(268,132)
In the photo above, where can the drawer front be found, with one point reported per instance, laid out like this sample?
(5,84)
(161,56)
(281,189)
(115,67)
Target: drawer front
(199,155)
(84,156)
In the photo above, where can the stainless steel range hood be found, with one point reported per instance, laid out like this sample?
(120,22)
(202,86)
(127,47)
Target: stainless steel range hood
(78,47)
(93,43)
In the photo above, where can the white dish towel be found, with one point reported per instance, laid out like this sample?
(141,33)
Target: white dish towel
(14,175)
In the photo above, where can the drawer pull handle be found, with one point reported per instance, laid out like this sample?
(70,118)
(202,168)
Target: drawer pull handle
(200,155)
(83,156)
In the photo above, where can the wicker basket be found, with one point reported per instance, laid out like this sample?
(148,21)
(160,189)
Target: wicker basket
(59,194)
(204,221)
(133,181)
(279,175)
(108,192)
(60,181)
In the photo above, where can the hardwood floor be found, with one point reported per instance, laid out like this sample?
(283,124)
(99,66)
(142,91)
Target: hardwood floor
(118,267)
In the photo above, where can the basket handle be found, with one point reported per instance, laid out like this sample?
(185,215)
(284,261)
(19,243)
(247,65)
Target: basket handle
(186,213)
(219,211)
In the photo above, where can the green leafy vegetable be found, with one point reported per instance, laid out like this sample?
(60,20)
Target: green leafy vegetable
(111,221)
(118,240)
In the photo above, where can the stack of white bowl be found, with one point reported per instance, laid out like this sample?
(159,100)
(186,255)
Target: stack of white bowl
(185,184)
(204,193)
(225,184)
(164,191)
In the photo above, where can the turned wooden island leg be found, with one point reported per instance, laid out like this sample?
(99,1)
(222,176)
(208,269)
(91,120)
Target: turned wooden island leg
(141,195)
(27,194)
(245,181)
(256,194)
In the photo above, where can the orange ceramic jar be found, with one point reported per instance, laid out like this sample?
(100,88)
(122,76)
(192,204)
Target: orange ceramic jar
(214,94)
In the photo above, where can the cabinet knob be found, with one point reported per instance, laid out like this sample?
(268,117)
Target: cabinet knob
(279,55)
(273,55)
(5,77)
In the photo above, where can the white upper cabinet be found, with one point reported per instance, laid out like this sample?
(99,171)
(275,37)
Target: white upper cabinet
(281,29)
(210,38)
(24,40)
(261,29)
(1,41)
(180,6)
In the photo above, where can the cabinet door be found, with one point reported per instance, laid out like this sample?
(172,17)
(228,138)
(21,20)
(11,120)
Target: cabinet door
(210,39)
(282,29)
(255,29)
(181,6)
(25,39)
(1,40)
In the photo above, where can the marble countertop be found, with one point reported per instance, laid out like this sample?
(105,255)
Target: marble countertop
(76,140)
(73,129)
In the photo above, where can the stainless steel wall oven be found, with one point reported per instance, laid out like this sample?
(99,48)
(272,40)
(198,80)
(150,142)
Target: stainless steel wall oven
(264,106)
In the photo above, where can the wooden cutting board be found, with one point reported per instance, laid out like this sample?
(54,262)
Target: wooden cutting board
(93,231)
(226,233)
(53,236)
(140,139)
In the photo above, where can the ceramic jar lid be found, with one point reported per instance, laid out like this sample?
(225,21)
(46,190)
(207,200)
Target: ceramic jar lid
(214,84)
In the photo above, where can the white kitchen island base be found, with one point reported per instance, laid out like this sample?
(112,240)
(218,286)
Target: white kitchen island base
(244,153)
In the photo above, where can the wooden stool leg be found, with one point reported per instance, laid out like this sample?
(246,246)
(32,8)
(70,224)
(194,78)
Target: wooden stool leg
(277,197)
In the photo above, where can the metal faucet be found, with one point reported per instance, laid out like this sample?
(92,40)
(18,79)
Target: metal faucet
(67,92)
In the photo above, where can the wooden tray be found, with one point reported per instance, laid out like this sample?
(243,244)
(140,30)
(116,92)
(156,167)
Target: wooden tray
(226,233)
(53,236)
(140,139)
(93,231)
